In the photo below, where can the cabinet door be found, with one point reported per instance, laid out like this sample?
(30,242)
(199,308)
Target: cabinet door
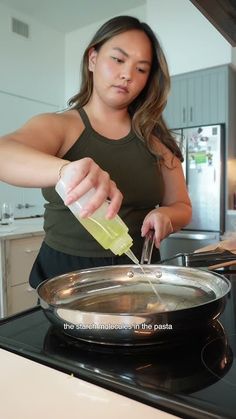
(20,255)
(218,92)
(175,113)
(198,98)
(207,97)
(21,297)
(195,100)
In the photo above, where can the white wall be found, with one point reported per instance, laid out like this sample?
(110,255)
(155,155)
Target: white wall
(32,75)
(234,57)
(31,67)
(189,40)
(77,41)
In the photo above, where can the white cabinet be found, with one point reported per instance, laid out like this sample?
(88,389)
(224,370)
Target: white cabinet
(18,255)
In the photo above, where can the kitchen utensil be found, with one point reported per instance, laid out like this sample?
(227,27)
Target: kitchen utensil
(148,245)
(116,305)
(222,265)
(229,244)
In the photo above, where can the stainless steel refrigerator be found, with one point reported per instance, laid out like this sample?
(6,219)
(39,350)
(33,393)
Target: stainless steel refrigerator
(204,168)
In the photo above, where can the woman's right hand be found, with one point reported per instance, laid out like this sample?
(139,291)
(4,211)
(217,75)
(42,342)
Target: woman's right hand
(86,175)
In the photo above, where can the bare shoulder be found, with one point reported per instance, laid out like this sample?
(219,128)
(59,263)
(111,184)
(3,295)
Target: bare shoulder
(49,132)
(71,117)
(51,120)
(45,132)
(169,160)
(47,123)
(73,126)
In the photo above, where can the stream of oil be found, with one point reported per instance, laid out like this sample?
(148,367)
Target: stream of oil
(159,299)
(130,254)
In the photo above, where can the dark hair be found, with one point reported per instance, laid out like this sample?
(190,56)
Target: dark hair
(146,110)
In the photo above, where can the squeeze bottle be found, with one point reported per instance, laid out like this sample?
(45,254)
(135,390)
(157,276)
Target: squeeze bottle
(110,234)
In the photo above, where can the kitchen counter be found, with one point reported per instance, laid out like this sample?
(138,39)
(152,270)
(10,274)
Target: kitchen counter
(30,390)
(19,245)
(22,227)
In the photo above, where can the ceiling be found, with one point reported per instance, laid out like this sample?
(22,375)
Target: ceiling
(68,15)
(222,14)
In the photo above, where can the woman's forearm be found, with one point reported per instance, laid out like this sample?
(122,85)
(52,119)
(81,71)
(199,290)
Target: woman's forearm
(166,220)
(21,165)
(179,214)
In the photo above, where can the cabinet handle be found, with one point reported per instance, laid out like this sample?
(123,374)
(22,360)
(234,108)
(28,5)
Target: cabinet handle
(191,114)
(184,115)
(29,205)
(30,289)
(31,250)
(19,206)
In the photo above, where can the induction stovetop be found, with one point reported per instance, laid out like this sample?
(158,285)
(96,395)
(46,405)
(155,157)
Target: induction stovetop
(192,376)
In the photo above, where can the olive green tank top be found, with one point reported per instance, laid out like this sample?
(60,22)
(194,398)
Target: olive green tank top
(137,175)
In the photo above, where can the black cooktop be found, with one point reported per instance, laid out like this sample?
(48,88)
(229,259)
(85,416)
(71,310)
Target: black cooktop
(192,376)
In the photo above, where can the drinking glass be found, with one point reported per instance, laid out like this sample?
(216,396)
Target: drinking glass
(7,213)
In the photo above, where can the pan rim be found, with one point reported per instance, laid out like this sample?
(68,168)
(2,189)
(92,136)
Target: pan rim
(120,267)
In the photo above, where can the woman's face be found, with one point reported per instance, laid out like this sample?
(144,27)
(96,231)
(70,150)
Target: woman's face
(121,68)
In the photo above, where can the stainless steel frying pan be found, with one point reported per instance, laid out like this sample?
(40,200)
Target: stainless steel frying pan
(116,304)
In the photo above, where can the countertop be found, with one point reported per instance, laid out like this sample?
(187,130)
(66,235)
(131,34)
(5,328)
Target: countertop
(22,227)
(31,390)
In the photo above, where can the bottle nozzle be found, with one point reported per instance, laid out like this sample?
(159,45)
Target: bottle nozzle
(130,254)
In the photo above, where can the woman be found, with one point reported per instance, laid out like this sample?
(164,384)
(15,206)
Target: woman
(114,125)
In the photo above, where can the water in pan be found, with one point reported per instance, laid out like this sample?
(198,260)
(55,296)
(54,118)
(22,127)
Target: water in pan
(140,298)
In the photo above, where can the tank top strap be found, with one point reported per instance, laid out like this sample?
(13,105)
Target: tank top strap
(84,118)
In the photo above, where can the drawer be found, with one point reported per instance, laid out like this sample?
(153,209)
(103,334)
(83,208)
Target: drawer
(20,297)
(20,255)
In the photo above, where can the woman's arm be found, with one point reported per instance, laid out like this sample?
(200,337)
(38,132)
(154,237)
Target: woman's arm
(175,211)
(30,157)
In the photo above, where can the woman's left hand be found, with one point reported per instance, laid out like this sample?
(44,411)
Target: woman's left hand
(160,223)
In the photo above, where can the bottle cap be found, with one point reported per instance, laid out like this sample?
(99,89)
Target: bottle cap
(122,244)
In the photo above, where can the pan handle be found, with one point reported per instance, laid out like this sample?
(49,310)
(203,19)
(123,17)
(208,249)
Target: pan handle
(147,248)
(182,256)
